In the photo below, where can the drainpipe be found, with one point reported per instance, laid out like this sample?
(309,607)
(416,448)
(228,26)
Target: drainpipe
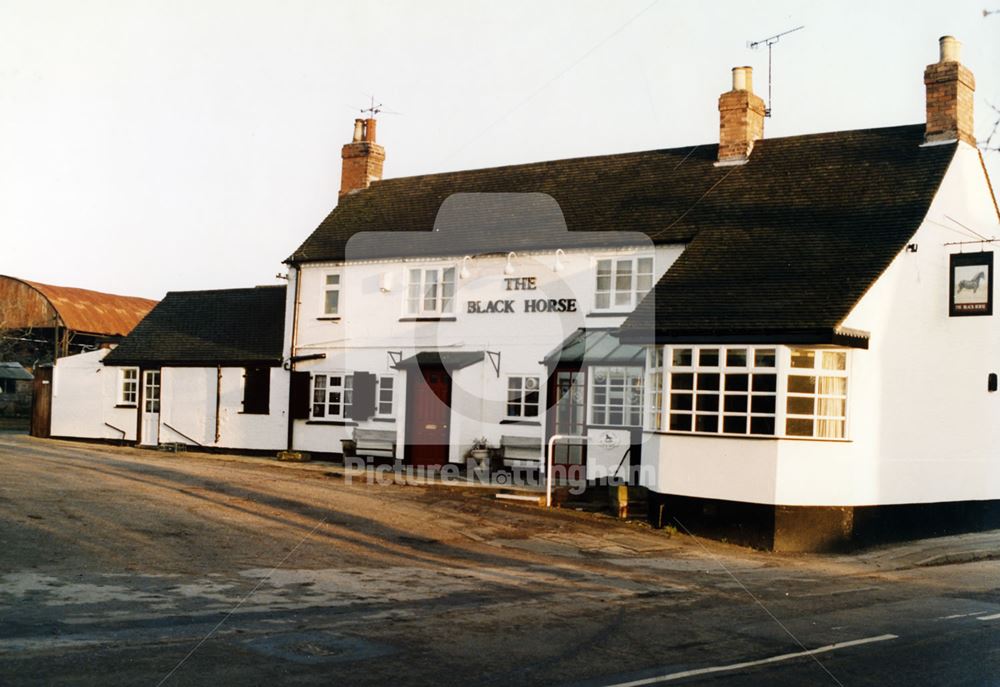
(291,351)
(218,400)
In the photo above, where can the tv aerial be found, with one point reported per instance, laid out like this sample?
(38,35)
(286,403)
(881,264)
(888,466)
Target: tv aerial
(769,42)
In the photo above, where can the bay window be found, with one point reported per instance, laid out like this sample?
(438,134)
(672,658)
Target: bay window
(748,391)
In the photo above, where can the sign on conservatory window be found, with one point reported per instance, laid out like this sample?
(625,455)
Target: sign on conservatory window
(616,396)
(722,390)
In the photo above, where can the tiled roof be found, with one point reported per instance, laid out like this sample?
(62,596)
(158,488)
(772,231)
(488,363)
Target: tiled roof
(785,243)
(207,328)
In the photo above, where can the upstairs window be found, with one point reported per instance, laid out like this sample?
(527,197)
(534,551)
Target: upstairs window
(128,386)
(622,282)
(722,390)
(256,390)
(522,397)
(616,396)
(430,291)
(331,294)
(817,394)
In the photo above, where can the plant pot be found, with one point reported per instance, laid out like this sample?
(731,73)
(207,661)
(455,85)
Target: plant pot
(481,456)
(348,447)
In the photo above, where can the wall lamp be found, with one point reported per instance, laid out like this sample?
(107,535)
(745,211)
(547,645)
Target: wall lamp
(464,273)
(559,266)
(509,269)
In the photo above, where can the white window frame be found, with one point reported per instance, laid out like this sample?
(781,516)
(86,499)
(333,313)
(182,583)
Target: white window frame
(754,384)
(328,288)
(818,372)
(655,389)
(124,381)
(379,388)
(420,285)
(522,404)
(344,389)
(599,412)
(622,299)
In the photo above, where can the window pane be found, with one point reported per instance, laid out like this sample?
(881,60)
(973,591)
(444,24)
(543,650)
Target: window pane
(706,423)
(734,424)
(681,357)
(765,383)
(680,401)
(801,385)
(762,425)
(764,357)
(708,357)
(708,402)
(834,386)
(737,382)
(802,358)
(736,404)
(798,427)
(680,422)
(762,404)
(834,360)
(333,280)
(831,407)
(682,380)
(332,302)
(602,301)
(800,405)
(830,429)
(736,357)
(708,381)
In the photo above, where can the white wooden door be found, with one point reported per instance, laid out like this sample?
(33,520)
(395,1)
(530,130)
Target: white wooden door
(150,408)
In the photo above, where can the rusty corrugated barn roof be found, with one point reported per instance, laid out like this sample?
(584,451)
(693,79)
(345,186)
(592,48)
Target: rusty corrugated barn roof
(93,312)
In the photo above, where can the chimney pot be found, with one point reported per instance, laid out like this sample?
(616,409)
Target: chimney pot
(951,49)
(743,79)
(370,130)
(359,129)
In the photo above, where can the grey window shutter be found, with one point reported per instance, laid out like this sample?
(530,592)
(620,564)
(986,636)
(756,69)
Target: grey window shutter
(363,398)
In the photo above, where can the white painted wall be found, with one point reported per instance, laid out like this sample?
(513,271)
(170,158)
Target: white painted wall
(922,426)
(187,407)
(86,392)
(373,322)
(84,396)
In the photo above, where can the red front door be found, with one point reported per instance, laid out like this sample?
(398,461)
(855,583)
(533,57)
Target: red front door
(428,411)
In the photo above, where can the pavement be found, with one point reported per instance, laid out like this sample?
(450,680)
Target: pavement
(127,566)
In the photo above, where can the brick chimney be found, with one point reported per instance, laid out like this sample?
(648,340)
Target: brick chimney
(363,158)
(741,118)
(950,86)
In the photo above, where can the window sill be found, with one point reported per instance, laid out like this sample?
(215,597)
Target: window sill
(383,419)
(329,318)
(756,437)
(609,313)
(446,318)
(333,423)
(529,423)
(126,405)
(243,412)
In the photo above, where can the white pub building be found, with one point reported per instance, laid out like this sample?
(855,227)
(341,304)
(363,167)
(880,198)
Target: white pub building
(789,342)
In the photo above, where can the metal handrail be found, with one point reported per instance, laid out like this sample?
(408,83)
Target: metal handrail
(117,429)
(174,429)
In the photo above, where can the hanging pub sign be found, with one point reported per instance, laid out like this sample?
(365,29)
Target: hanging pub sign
(971,284)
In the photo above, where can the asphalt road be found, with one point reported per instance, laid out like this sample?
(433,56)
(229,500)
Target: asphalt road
(123,566)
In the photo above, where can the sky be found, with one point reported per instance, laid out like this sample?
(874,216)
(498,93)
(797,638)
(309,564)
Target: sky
(154,146)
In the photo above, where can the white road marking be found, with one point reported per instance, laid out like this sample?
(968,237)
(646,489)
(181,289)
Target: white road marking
(959,615)
(989,617)
(750,664)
